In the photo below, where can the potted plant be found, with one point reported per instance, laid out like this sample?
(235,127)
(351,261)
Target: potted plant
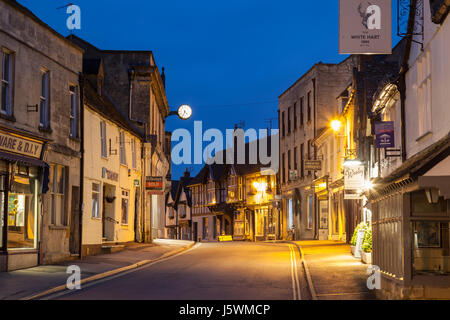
(366,255)
(361,226)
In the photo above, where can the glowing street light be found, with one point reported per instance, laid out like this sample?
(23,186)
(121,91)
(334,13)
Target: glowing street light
(336,125)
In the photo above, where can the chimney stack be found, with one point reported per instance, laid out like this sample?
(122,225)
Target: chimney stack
(163,77)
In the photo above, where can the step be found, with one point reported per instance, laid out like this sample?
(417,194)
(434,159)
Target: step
(112,248)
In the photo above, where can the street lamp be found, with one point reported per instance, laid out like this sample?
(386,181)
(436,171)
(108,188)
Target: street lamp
(336,125)
(184,112)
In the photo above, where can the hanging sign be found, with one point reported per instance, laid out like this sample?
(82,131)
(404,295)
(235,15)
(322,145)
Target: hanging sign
(154,185)
(384,132)
(354,177)
(313,165)
(365,27)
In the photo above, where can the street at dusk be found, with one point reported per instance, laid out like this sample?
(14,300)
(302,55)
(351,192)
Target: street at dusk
(260,156)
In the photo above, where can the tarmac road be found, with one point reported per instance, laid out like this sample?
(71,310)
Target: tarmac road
(208,271)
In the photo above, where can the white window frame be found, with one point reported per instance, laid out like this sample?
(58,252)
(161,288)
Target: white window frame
(73,92)
(103,140)
(98,193)
(125,196)
(123,156)
(7,81)
(58,218)
(133,154)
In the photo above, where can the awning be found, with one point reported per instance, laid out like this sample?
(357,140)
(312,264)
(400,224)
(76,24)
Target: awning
(22,159)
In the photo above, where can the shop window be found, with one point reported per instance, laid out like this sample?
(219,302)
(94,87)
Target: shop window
(73,112)
(58,212)
(420,206)
(431,247)
(2,199)
(7,83)
(104,150)
(22,209)
(125,197)
(96,200)
(45,99)
(205,228)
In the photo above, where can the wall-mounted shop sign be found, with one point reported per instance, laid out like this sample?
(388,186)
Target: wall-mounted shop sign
(293,175)
(136,183)
(107,174)
(313,165)
(384,131)
(13,143)
(154,185)
(365,27)
(352,195)
(354,177)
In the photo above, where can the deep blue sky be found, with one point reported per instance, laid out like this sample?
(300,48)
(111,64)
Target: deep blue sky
(216,53)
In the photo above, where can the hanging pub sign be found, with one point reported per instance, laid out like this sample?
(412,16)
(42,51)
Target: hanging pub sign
(154,185)
(384,132)
(354,177)
(365,27)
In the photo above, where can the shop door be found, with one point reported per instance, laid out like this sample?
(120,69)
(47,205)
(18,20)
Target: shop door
(74,244)
(195,231)
(3,221)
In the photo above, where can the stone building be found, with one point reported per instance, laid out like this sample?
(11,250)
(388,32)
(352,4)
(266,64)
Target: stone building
(304,109)
(40,134)
(132,82)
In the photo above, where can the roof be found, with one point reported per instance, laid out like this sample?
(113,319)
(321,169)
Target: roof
(76,38)
(439,10)
(91,66)
(33,17)
(105,107)
(421,162)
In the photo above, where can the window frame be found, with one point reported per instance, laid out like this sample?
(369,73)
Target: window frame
(44,99)
(74,112)
(99,216)
(123,155)
(103,140)
(125,195)
(8,82)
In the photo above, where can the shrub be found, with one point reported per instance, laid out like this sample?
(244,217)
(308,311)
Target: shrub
(367,242)
(361,226)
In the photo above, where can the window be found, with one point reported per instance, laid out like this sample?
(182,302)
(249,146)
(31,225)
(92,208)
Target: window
(45,99)
(302,115)
(58,210)
(302,160)
(289,160)
(7,83)
(289,119)
(310,212)
(73,112)
(283,173)
(133,154)
(283,125)
(103,144)
(424,94)
(125,196)
(295,116)
(123,158)
(309,106)
(95,200)
(295,159)
(211,192)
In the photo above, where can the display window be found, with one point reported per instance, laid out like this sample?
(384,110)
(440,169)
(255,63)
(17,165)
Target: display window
(21,208)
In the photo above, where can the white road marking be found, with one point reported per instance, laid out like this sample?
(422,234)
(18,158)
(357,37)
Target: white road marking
(294,274)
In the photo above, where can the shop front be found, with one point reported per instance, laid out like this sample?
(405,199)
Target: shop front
(22,175)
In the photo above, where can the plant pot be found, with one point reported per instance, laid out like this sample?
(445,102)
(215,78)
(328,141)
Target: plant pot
(366,257)
(353,249)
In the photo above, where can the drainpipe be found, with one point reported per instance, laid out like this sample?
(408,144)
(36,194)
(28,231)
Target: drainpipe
(82,151)
(316,211)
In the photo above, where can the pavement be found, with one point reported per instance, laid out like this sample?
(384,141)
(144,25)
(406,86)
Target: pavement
(28,282)
(335,274)
(208,271)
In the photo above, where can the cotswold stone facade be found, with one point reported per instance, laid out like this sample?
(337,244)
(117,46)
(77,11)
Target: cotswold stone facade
(41,106)
(304,109)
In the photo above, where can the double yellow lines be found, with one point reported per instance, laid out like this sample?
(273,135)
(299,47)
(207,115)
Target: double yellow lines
(294,274)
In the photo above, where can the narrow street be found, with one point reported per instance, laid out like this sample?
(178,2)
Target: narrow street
(208,271)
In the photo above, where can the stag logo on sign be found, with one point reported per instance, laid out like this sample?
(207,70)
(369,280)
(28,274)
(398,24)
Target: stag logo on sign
(371,17)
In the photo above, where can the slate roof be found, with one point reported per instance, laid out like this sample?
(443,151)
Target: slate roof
(106,108)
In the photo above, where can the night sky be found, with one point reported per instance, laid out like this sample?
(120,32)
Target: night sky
(230,60)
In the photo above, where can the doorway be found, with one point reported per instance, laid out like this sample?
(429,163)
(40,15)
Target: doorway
(74,244)
(108,216)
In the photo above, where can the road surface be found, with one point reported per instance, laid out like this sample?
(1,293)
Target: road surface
(208,271)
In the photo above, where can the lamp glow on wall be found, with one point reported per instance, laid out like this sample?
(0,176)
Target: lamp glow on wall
(336,125)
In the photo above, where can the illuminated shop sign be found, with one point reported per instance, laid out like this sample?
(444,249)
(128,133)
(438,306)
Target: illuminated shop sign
(16,144)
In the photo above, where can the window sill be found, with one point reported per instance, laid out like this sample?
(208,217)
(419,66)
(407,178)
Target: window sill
(53,227)
(7,117)
(76,139)
(424,136)
(45,129)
